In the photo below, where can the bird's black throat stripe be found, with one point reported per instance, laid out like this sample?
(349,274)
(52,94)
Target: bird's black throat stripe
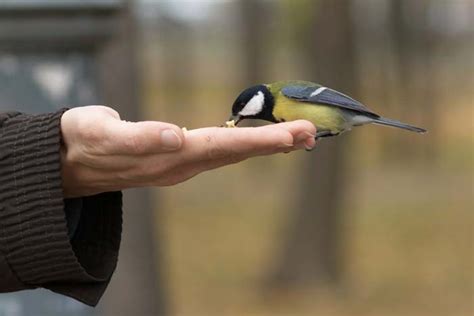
(267,113)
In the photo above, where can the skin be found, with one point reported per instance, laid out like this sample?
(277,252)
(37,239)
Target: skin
(102,153)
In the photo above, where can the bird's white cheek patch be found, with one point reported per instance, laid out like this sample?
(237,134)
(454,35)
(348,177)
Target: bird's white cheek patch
(254,106)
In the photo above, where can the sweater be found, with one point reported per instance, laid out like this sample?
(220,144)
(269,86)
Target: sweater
(69,246)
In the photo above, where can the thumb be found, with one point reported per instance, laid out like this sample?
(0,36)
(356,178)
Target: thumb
(141,138)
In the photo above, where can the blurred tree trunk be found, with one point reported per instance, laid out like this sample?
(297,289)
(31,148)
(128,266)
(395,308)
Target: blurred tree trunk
(253,16)
(137,287)
(314,248)
(417,85)
(403,35)
(178,68)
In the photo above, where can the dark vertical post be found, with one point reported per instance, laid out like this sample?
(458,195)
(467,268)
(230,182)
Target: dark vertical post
(415,50)
(253,17)
(178,66)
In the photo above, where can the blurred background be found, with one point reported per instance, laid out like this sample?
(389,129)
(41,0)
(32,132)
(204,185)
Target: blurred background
(375,222)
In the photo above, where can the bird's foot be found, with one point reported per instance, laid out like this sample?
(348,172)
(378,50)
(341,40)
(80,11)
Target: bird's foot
(323,134)
(320,135)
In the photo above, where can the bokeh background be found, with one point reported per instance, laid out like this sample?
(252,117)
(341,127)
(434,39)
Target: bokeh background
(376,222)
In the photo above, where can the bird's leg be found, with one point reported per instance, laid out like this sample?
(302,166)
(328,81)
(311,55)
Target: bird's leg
(325,134)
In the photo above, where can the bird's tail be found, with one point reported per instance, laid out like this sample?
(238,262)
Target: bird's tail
(394,123)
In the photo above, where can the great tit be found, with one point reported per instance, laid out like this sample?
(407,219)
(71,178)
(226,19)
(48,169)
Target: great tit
(329,110)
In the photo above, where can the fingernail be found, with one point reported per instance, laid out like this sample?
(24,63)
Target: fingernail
(310,143)
(303,136)
(170,140)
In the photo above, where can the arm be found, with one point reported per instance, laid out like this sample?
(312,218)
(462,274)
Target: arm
(35,249)
(98,155)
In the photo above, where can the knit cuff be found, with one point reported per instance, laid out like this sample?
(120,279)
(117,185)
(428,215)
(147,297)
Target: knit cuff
(33,228)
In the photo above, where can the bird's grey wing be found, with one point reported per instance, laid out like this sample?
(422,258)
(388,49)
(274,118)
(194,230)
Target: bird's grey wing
(323,95)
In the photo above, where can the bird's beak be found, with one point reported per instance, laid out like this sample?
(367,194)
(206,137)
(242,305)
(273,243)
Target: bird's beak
(236,119)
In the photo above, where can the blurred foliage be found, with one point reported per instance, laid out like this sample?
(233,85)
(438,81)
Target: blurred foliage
(295,17)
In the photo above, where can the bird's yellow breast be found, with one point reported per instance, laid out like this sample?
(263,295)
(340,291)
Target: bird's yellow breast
(324,117)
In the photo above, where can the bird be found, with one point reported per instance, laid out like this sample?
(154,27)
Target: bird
(331,112)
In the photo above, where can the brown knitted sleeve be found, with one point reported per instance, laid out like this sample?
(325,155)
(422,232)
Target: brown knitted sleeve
(35,249)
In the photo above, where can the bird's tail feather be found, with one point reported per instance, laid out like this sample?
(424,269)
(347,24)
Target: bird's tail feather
(394,123)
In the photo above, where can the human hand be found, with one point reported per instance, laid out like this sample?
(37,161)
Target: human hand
(102,153)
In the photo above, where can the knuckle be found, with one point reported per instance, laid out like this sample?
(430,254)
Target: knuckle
(110,111)
(92,137)
(91,133)
(102,110)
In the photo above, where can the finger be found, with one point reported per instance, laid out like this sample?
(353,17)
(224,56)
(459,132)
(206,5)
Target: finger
(187,171)
(216,143)
(202,146)
(172,168)
(209,144)
(141,138)
(183,173)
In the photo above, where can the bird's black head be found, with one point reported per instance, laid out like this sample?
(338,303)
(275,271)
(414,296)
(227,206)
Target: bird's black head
(255,102)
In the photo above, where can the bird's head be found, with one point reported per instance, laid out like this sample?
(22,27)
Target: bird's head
(255,102)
